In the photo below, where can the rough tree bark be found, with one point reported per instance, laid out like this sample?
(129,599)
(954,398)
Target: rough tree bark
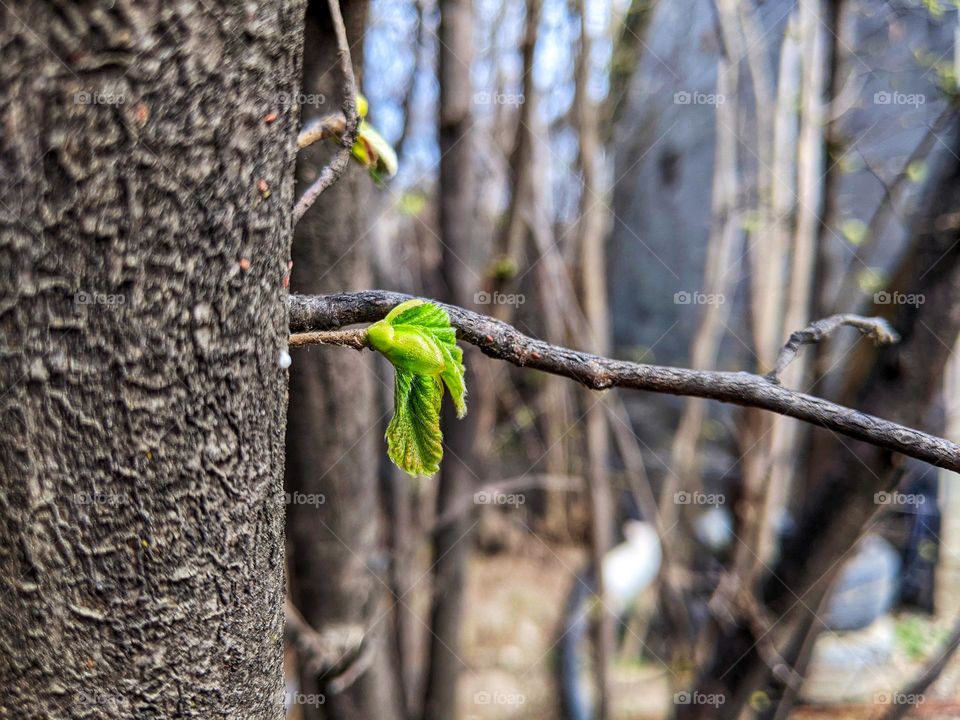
(332,440)
(144,235)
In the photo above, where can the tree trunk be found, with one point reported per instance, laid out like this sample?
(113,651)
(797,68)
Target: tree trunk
(457,194)
(144,241)
(333,440)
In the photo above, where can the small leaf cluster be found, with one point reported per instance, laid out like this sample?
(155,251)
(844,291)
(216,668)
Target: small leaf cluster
(417,338)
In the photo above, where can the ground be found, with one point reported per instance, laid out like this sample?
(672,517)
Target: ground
(513,616)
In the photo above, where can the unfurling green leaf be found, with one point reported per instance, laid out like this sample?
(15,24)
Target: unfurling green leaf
(416,337)
(414,440)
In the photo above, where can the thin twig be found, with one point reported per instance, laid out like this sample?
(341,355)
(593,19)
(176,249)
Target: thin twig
(356,339)
(322,653)
(502,341)
(322,128)
(876,328)
(332,172)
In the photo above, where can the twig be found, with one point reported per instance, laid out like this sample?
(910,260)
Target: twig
(356,339)
(876,328)
(322,128)
(499,340)
(321,653)
(332,172)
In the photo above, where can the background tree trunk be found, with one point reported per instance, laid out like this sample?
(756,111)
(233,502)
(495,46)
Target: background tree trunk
(456,197)
(333,439)
(144,235)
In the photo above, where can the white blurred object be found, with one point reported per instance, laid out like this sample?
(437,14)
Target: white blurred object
(631,566)
(714,528)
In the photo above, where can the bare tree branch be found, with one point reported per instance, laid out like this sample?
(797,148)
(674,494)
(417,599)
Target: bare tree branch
(321,653)
(876,328)
(499,340)
(332,172)
(356,339)
(321,128)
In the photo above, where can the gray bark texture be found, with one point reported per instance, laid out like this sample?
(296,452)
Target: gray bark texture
(147,159)
(334,442)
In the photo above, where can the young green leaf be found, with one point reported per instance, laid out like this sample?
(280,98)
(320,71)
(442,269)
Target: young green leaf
(414,440)
(416,337)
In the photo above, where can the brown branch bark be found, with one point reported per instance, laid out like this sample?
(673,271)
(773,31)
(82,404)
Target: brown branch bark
(499,340)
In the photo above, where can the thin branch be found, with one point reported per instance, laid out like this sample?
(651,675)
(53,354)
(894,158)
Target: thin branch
(356,339)
(321,653)
(499,340)
(332,172)
(876,328)
(328,126)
